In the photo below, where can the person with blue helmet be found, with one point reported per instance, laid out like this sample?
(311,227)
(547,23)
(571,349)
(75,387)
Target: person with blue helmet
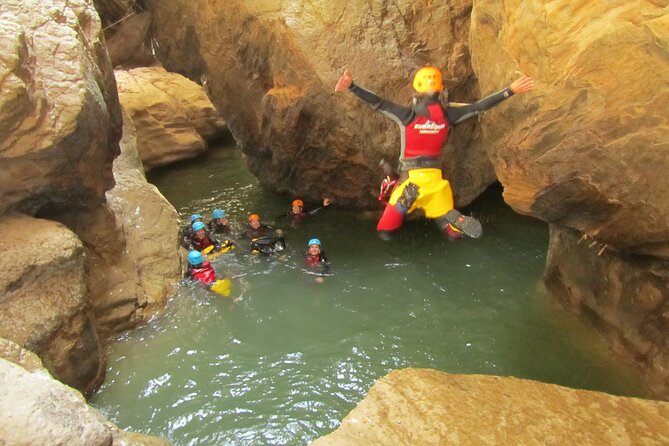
(315,258)
(186,233)
(201,239)
(218,223)
(200,269)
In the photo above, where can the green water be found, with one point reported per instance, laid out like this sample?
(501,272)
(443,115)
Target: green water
(286,358)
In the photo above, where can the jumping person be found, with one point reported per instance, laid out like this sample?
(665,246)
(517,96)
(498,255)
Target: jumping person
(424,128)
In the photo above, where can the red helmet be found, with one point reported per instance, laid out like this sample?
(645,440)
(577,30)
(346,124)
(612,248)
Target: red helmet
(254,217)
(299,203)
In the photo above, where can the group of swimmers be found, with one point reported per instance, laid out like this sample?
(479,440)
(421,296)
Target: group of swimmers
(202,241)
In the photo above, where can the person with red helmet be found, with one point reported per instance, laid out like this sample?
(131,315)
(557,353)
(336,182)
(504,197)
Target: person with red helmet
(424,129)
(264,239)
(297,213)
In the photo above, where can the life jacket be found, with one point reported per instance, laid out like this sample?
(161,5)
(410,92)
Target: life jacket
(314,261)
(425,136)
(200,244)
(204,273)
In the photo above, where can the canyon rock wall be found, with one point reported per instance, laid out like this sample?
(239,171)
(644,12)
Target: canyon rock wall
(44,302)
(587,152)
(83,257)
(59,120)
(270,68)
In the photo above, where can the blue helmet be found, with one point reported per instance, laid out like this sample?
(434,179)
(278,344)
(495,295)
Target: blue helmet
(194,258)
(198,225)
(195,217)
(218,213)
(314,241)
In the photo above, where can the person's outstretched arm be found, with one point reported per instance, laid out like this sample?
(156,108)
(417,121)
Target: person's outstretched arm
(394,111)
(458,113)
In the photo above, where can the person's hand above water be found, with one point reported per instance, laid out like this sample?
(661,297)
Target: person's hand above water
(344,82)
(522,85)
(327,201)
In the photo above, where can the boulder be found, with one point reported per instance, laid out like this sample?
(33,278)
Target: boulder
(35,409)
(428,407)
(59,117)
(172,115)
(44,303)
(588,150)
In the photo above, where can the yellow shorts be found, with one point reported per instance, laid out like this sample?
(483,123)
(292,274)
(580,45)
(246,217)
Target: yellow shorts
(435,196)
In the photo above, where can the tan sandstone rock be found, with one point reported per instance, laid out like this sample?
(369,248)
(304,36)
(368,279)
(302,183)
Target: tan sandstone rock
(589,149)
(44,305)
(134,258)
(427,407)
(172,114)
(624,296)
(130,45)
(35,409)
(59,121)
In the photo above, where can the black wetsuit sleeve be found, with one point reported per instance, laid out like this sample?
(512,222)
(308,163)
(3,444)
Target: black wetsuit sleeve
(313,211)
(457,113)
(396,112)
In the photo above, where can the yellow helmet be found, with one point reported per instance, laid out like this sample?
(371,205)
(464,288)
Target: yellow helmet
(428,79)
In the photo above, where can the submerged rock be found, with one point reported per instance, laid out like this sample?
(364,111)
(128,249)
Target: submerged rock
(428,407)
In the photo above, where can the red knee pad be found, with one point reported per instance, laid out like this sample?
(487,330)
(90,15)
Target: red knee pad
(390,220)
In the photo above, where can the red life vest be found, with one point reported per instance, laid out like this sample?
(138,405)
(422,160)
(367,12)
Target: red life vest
(313,260)
(200,244)
(426,136)
(204,274)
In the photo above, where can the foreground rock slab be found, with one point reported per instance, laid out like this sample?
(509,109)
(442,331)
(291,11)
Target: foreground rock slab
(428,407)
(36,409)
